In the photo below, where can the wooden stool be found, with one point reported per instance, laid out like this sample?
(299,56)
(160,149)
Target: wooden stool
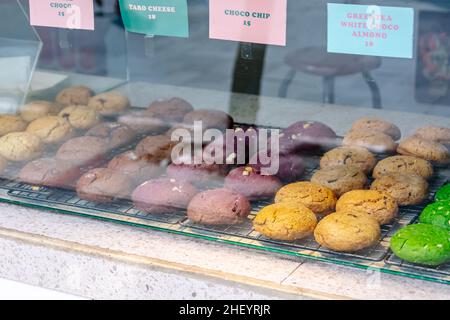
(317,61)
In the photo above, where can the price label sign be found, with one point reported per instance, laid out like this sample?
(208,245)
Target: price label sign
(371,30)
(67,14)
(156,17)
(254,21)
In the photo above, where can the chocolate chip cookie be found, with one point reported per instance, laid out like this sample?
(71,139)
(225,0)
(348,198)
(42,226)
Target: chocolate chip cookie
(406,189)
(377,125)
(351,156)
(109,103)
(340,179)
(425,149)
(75,95)
(378,204)
(374,141)
(404,164)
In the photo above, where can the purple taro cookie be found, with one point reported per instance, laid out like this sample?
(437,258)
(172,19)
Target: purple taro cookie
(163,196)
(290,166)
(218,207)
(306,135)
(237,146)
(197,174)
(170,110)
(83,151)
(50,172)
(250,183)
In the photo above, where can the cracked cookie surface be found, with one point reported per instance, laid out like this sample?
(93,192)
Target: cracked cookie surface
(285,221)
(404,164)
(80,117)
(351,156)
(109,103)
(377,204)
(377,125)
(50,129)
(347,231)
(20,146)
(340,179)
(320,199)
(10,123)
(78,95)
(374,141)
(406,189)
(425,149)
(38,109)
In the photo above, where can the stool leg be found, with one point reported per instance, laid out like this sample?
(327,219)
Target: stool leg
(282,93)
(374,89)
(328,90)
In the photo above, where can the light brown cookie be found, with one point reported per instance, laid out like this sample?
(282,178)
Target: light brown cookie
(351,156)
(376,142)
(434,133)
(406,189)
(347,231)
(80,117)
(377,125)
(378,204)
(109,103)
(404,164)
(20,146)
(425,149)
(10,123)
(76,95)
(38,109)
(340,179)
(320,199)
(50,129)
(3,164)
(285,221)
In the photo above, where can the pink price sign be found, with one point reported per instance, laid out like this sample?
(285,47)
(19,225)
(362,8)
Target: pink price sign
(67,14)
(254,21)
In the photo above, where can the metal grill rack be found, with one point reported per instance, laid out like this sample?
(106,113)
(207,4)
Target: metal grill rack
(378,256)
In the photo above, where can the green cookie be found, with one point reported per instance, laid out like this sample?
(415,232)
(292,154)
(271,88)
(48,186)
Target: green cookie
(443,194)
(437,213)
(422,244)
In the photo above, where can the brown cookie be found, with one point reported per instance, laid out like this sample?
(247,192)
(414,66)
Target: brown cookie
(379,204)
(51,129)
(347,231)
(117,134)
(170,110)
(406,189)
(140,169)
(374,141)
(340,179)
(320,199)
(20,146)
(10,123)
(76,95)
(38,109)
(80,117)
(155,147)
(434,133)
(351,156)
(285,221)
(377,125)
(104,185)
(403,164)
(109,103)
(425,149)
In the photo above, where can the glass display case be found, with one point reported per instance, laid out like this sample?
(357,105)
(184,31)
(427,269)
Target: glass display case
(311,129)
